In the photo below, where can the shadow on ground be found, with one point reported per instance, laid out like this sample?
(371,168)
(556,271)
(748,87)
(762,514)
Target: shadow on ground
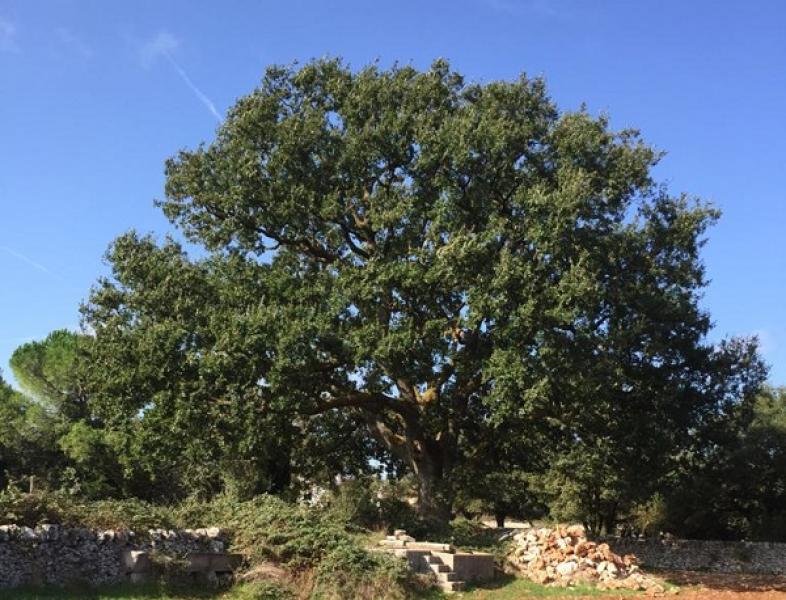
(136,592)
(500,581)
(730,582)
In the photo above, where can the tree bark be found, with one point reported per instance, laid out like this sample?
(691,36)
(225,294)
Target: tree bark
(430,458)
(435,498)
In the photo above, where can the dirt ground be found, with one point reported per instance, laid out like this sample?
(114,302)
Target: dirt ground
(723,586)
(709,586)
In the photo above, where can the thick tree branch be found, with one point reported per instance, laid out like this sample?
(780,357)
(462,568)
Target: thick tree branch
(368,401)
(395,444)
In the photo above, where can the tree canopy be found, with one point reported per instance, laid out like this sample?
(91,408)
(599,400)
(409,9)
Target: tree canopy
(48,371)
(434,259)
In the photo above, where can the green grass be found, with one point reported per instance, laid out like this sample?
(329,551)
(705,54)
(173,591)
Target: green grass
(256,591)
(513,588)
(108,593)
(121,592)
(505,588)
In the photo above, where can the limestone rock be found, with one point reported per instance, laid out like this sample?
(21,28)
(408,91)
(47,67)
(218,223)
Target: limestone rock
(567,568)
(564,556)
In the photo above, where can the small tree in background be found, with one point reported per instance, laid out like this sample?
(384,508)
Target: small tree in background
(730,484)
(48,371)
(28,440)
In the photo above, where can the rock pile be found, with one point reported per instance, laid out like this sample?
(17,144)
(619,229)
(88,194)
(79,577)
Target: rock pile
(564,556)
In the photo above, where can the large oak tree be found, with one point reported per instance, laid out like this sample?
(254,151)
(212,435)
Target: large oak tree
(434,258)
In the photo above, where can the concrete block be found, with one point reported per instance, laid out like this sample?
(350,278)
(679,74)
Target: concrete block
(469,566)
(139,577)
(205,562)
(430,546)
(136,561)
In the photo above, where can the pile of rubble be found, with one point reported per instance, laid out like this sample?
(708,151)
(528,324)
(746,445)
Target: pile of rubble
(564,556)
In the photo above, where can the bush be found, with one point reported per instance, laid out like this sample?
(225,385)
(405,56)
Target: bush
(350,571)
(301,538)
(651,517)
(265,529)
(354,503)
(21,508)
(472,535)
(261,590)
(370,504)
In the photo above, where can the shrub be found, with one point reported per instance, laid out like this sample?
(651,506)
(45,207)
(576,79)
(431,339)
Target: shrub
(265,529)
(21,508)
(472,535)
(261,590)
(650,518)
(350,571)
(301,538)
(354,503)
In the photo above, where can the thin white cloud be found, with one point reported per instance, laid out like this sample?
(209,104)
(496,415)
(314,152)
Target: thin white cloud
(161,45)
(26,259)
(73,42)
(199,94)
(8,41)
(164,45)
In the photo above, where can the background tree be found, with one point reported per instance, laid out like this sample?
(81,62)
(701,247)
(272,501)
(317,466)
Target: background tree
(730,484)
(425,252)
(28,440)
(49,372)
(52,373)
(500,471)
(632,438)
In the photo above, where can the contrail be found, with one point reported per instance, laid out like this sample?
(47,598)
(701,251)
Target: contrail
(27,260)
(199,93)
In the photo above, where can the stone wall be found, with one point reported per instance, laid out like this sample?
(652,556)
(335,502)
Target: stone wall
(51,555)
(704,555)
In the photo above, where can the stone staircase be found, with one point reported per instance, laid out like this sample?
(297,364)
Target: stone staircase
(447,579)
(423,561)
(452,570)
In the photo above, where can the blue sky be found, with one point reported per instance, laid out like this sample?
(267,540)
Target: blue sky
(94,96)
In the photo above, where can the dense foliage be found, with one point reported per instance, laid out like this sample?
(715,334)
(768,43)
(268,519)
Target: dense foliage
(441,263)
(456,285)
(733,485)
(297,539)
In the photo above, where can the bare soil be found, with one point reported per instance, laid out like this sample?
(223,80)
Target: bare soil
(720,586)
(707,586)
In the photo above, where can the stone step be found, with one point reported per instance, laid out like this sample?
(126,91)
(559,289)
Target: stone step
(450,587)
(439,568)
(430,546)
(447,576)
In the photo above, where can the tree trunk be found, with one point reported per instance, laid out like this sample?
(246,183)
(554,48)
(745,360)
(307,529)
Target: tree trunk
(610,520)
(429,458)
(434,496)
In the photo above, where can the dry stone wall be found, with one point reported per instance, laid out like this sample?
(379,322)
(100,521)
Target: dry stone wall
(52,555)
(703,555)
